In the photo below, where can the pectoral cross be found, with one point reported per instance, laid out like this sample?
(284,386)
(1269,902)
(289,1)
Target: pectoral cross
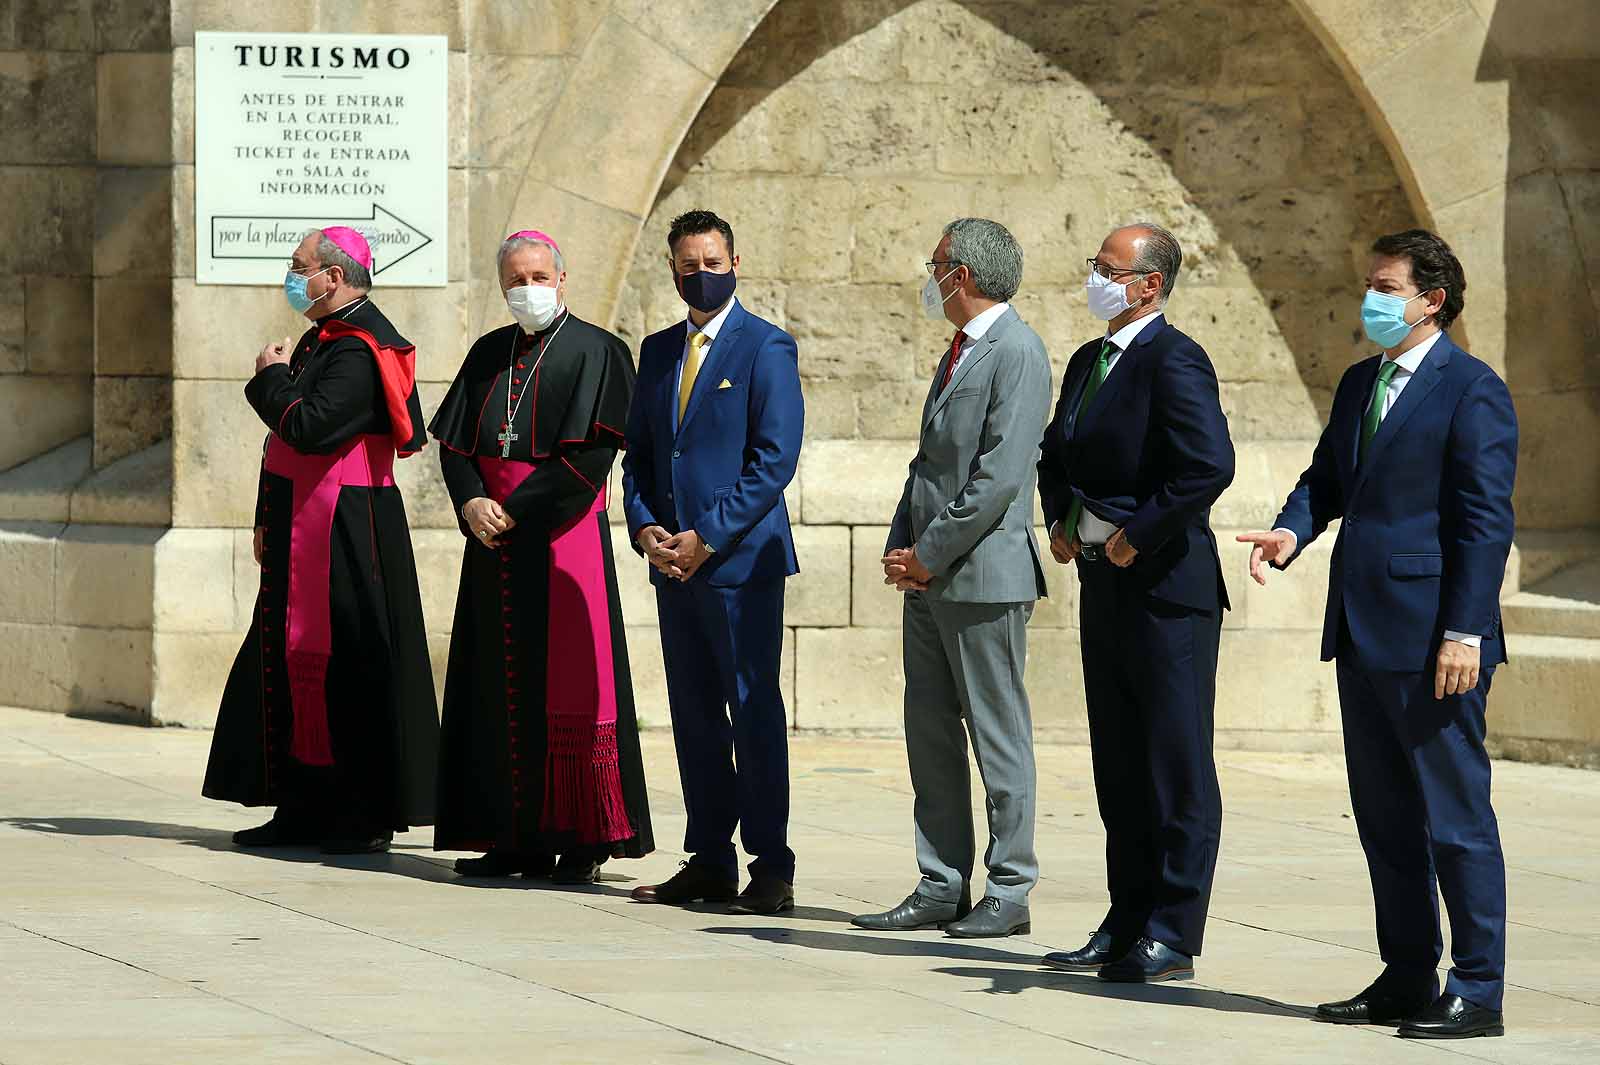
(506,438)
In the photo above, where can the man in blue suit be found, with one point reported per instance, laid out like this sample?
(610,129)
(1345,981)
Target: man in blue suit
(1135,456)
(713,439)
(1418,459)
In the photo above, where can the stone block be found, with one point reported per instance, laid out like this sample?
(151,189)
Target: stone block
(130,414)
(819,596)
(428,504)
(183,109)
(133,327)
(216,454)
(1008,136)
(111,672)
(1255,144)
(438,553)
(1058,609)
(13,329)
(194,586)
(777,133)
(136,490)
(35,668)
(878,130)
(637,594)
(951,44)
(246,578)
(1261,410)
(221,328)
(60,324)
(854,333)
(1557,434)
(183,245)
(896,225)
(133,223)
(41,488)
(831,408)
(873,604)
(1262,479)
(521,28)
(849,679)
(1370,33)
(1293,600)
(286,16)
(426,17)
(134,112)
(28,571)
(1058,229)
(596,266)
(852,482)
(191,669)
(47,107)
(1054,679)
(50,25)
(460,227)
(606,139)
(1238,331)
(1297,694)
(511,98)
(105,575)
(435,320)
(42,412)
(49,218)
(132,25)
(707,33)
(790,228)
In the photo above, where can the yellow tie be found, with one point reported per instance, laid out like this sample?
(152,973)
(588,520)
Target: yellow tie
(691,369)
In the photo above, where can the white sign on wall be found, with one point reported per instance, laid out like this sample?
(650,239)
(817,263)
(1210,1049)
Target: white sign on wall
(302,130)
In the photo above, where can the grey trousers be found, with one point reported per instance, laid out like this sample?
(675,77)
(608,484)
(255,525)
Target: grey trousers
(963,664)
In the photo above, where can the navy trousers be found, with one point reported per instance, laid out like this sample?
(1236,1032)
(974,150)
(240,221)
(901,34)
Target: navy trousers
(722,648)
(1419,785)
(1150,675)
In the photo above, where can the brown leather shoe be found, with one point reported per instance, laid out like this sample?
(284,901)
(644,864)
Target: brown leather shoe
(765,895)
(692,883)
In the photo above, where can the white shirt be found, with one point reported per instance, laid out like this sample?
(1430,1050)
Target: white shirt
(1092,530)
(974,332)
(1406,367)
(710,329)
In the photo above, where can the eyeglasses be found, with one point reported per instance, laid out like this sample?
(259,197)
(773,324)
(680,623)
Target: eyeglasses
(1109,272)
(932,263)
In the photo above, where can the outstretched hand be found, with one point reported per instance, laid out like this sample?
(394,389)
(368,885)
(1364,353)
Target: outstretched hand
(1274,546)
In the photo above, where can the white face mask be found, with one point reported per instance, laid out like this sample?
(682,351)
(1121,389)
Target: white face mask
(533,306)
(932,302)
(1107,298)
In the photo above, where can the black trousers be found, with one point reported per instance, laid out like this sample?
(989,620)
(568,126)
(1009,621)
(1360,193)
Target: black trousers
(1150,674)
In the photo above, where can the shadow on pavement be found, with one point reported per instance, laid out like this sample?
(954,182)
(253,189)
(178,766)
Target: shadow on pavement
(893,945)
(1014,981)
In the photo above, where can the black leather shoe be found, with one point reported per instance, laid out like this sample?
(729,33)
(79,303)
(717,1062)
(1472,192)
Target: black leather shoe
(281,831)
(917,911)
(1374,1006)
(1100,950)
(765,895)
(692,883)
(1453,1017)
(376,843)
(1149,962)
(991,918)
(577,867)
(506,863)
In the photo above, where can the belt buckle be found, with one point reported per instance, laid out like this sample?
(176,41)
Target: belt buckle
(1092,552)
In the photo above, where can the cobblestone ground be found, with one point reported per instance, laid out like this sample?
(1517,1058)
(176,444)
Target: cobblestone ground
(131,932)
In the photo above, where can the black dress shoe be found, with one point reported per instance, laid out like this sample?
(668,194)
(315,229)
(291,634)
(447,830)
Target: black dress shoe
(1374,1006)
(764,895)
(992,918)
(282,831)
(1149,962)
(692,883)
(507,863)
(364,843)
(917,911)
(1100,950)
(578,867)
(1453,1017)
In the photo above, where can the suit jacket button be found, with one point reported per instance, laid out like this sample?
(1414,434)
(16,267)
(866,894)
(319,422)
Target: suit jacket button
(676,454)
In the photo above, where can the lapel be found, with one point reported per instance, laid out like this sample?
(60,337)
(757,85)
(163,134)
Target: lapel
(706,380)
(668,383)
(980,351)
(1108,388)
(1422,383)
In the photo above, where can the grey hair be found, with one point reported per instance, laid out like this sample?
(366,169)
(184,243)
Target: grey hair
(1158,252)
(988,249)
(513,243)
(356,276)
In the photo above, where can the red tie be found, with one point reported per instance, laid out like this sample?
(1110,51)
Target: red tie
(955,357)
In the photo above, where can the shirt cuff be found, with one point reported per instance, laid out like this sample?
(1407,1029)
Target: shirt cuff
(709,549)
(1294,541)
(1463,638)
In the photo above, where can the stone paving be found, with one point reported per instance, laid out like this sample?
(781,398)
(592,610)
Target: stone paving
(132,933)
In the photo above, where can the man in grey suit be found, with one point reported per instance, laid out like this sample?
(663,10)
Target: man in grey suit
(962,550)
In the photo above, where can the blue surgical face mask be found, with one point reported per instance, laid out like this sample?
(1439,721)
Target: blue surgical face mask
(1384,318)
(294,290)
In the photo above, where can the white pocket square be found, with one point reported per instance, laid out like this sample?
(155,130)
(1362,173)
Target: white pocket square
(725,384)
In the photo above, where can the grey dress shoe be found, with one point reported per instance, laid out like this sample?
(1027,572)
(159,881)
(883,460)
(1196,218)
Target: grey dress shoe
(917,911)
(992,918)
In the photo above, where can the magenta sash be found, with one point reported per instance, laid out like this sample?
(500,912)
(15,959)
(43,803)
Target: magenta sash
(583,782)
(367,462)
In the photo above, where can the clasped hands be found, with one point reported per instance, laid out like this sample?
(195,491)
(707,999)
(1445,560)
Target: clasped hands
(273,355)
(1119,552)
(676,557)
(488,520)
(904,571)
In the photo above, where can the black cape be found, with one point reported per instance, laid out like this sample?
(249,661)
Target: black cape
(382,713)
(493,747)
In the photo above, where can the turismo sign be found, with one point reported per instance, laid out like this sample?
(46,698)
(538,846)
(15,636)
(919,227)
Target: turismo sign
(302,130)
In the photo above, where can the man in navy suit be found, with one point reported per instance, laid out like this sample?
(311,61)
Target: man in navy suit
(713,439)
(1418,459)
(1135,456)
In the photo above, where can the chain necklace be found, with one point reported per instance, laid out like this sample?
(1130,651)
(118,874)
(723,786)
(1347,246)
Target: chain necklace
(508,435)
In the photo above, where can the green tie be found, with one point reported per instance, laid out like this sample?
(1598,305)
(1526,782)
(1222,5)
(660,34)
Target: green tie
(1097,377)
(1374,418)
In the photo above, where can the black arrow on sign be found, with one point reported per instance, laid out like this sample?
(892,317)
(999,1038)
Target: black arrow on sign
(319,221)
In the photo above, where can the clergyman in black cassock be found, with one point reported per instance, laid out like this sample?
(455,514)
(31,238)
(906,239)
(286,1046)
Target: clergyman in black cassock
(540,745)
(329,712)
